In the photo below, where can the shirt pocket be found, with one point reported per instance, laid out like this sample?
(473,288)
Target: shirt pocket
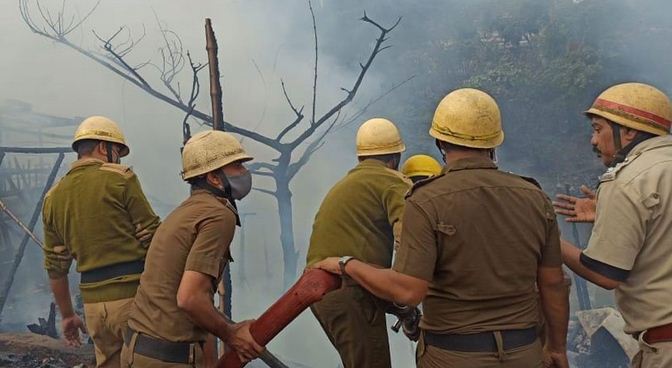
(446,234)
(652,203)
(446,230)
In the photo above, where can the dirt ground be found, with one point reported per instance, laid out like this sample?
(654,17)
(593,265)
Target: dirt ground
(28,350)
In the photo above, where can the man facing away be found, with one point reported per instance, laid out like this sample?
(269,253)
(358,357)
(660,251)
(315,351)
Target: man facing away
(361,216)
(479,248)
(97,215)
(420,167)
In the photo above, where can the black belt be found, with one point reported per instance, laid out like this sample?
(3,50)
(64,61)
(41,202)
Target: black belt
(482,341)
(166,351)
(112,271)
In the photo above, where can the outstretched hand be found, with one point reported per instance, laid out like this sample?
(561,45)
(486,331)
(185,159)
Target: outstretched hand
(576,209)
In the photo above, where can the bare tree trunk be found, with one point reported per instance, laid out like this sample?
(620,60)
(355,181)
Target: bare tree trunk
(285,211)
(4,292)
(310,137)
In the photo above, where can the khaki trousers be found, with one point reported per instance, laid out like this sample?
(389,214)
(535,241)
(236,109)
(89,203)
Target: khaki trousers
(658,355)
(354,321)
(529,356)
(106,322)
(130,359)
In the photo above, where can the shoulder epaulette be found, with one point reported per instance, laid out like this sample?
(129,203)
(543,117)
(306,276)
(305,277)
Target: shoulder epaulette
(423,182)
(531,180)
(528,179)
(123,170)
(399,175)
(612,172)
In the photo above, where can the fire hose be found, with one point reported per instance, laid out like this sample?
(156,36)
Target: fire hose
(310,288)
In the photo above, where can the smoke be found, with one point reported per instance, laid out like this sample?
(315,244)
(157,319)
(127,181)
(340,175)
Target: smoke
(262,42)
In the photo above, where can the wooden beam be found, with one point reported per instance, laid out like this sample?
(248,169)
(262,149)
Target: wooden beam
(7,285)
(38,150)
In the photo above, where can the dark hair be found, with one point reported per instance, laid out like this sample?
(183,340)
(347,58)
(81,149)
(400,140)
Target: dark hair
(197,182)
(384,158)
(645,135)
(449,147)
(417,178)
(85,146)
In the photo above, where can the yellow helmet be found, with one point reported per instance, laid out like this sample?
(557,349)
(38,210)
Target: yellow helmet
(102,129)
(635,105)
(421,165)
(209,150)
(468,117)
(378,137)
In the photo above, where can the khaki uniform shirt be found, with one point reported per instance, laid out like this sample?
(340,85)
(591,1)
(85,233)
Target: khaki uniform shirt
(633,233)
(358,215)
(91,216)
(478,236)
(195,237)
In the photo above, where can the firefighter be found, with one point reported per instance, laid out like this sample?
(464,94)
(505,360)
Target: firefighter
(629,249)
(476,242)
(360,216)
(173,311)
(97,215)
(420,167)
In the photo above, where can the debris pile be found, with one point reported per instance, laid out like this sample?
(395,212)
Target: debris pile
(29,350)
(46,326)
(597,340)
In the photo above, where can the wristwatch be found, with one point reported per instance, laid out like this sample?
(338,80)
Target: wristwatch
(343,261)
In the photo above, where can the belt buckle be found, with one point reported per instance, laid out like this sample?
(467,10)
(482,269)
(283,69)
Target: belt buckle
(192,353)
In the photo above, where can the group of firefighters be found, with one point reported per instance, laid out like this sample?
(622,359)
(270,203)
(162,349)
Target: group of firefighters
(478,248)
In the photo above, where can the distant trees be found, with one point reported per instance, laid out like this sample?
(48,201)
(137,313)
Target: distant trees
(544,61)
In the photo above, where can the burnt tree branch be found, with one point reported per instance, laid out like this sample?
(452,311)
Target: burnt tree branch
(347,121)
(265,191)
(312,15)
(298,113)
(313,147)
(195,90)
(125,74)
(378,47)
(115,57)
(118,58)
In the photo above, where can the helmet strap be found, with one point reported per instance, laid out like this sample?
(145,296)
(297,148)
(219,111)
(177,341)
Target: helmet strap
(443,154)
(623,153)
(225,193)
(108,146)
(616,133)
(619,156)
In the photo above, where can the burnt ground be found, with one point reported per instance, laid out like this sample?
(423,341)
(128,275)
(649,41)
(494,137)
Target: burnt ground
(28,350)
